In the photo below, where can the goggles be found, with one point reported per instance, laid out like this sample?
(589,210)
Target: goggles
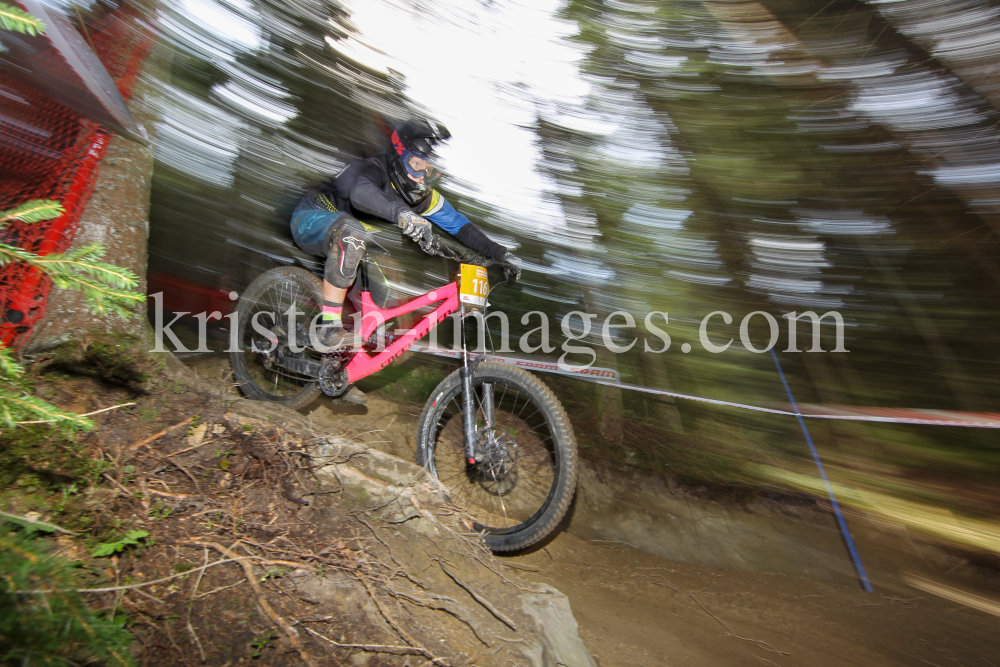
(419,167)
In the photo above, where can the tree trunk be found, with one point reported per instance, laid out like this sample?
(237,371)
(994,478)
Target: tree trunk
(117,217)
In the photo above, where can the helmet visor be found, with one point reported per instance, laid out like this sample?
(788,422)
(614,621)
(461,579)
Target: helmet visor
(419,168)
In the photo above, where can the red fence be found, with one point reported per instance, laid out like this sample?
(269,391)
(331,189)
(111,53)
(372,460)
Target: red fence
(48,151)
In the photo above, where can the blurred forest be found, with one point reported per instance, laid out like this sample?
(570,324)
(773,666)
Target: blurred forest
(728,156)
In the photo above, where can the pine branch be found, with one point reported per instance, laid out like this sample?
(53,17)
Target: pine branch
(86,260)
(106,287)
(102,299)
(8,366)
(18,20)
(35,210)
(16,406)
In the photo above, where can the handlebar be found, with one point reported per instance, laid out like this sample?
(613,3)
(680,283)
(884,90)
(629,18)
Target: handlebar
(440,247)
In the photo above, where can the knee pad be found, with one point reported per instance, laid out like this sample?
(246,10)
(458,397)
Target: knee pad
(347,247)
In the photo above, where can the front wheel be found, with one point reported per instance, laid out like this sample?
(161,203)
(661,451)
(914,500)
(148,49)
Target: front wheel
(524,483)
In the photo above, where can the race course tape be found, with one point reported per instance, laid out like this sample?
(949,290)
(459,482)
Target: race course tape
(610,378)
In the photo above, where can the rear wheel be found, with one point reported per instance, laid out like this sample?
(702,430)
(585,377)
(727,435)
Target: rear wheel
(264,337)
(523,485)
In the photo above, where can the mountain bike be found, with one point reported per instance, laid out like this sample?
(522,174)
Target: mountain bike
(493,434)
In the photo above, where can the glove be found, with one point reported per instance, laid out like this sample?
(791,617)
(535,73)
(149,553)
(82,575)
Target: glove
(511,270)
(430,245)
(414,226)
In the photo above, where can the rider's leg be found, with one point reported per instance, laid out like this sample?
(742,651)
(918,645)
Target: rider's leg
(346,248)
(341,239)
(333,302)
(333,293)
(317,231)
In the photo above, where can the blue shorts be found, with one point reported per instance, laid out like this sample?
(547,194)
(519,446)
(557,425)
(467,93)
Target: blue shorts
(313,229)
(340,238)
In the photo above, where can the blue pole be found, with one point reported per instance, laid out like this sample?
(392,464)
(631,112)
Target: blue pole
(826,482)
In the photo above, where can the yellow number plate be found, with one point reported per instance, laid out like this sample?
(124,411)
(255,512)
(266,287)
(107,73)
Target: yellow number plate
(474,286)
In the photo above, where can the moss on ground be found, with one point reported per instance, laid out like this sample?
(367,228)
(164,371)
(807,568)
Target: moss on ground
(115,358)
(36,460)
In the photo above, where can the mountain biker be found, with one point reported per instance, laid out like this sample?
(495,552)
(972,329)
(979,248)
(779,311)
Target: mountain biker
(396,186)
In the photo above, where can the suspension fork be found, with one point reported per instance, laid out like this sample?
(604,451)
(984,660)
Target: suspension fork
(472,456)
(473,453)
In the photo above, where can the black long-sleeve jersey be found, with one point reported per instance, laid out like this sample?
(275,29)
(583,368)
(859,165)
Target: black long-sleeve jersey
(364,188)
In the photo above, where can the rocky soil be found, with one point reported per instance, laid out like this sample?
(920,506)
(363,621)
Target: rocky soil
(273,543)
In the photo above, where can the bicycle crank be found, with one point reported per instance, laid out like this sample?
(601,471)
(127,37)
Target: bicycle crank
(332,380)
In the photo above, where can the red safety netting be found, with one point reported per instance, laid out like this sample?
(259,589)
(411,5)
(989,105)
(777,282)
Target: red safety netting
(48,151)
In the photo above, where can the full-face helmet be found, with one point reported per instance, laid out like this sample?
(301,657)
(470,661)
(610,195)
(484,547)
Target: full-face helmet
(411,160)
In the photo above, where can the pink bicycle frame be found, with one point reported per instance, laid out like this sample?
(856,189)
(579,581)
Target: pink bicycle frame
(364,364)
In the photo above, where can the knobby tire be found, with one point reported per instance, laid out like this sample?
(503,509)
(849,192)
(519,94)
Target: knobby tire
(520,502)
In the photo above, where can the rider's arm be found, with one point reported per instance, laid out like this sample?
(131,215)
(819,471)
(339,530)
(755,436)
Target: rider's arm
(440,211)
(367,196)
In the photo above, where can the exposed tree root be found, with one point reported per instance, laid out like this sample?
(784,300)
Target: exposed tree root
(157,436)
(286,627)
(478,598)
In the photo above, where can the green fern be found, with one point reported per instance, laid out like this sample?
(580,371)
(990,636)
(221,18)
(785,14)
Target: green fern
(106,549)
(35,210)
(18,20)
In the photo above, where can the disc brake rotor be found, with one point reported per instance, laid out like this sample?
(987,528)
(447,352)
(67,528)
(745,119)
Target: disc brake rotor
(498,469)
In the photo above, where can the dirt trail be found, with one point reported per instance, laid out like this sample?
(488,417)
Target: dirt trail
(637,609)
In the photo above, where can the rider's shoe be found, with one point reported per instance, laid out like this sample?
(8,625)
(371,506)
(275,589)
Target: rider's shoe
(354,396)
(333,336)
